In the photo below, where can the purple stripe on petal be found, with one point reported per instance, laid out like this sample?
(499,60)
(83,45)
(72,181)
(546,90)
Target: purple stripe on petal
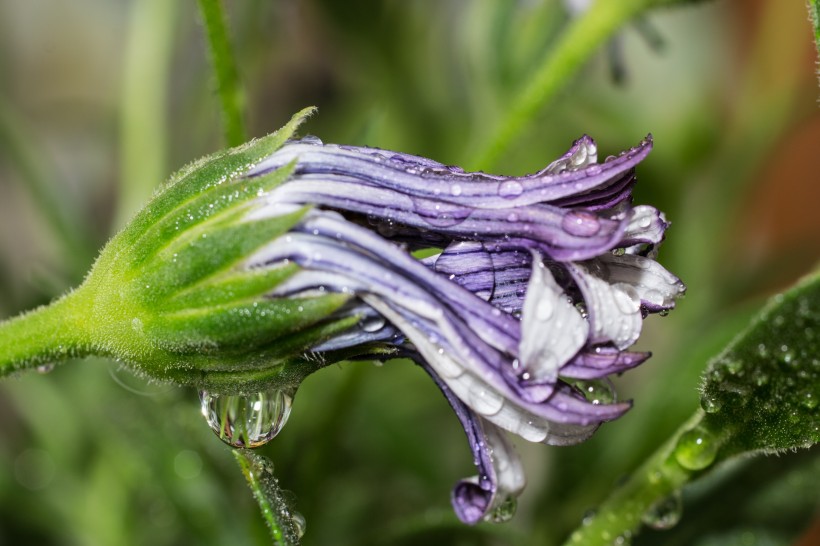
(602,362)
(500,474)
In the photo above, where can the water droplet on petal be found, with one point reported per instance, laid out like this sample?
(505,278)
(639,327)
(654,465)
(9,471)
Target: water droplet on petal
(246,420)
(504,512)
(510,189)
(581,223)
(696,448)
(372,323)
(664,514)
(455,189)
(311,139)
(485,401)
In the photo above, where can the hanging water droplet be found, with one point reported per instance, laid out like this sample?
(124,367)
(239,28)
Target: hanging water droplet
(504,512)
(696,448)
(299,524)
(246,420)
(45,368)
(664,514)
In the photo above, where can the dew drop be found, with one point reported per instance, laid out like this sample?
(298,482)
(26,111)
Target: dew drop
(545,310)
(581,223)
(696,449)
(485,402)
(664,514)
(311,139)
(510,189)
(246,420)
(504,512)
(600,391)
(45,368)
(372,323)
(455,189)
(710,404)
(299,524)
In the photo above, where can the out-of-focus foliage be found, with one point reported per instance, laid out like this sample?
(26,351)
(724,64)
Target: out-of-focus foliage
(371,452)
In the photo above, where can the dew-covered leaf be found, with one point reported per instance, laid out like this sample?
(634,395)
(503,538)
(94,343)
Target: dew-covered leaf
(762,392)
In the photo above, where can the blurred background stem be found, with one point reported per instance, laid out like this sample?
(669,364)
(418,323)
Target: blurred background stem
(579,41)
(228,86)
(144,127)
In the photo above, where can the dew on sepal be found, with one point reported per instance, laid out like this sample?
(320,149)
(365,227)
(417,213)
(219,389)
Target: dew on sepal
(246,420)
(599,391)
(665,513)
(504,512)
(696,448)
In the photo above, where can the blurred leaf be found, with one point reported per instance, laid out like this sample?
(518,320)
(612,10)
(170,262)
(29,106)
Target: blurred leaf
(762,392)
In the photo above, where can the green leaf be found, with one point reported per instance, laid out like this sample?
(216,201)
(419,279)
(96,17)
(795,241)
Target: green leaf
(286,526)
(762,392)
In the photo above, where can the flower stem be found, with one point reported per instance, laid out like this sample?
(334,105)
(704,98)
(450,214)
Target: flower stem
(227,76)
(580,40)
(621,514)
(45,335)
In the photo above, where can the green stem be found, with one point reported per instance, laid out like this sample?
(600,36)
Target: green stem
(620,515)
(227,76)
(258,470)
(578,42)
(48,334)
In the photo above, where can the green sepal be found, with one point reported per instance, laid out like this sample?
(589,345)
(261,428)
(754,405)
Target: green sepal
(204,252)
(207,172)
(214,206)
(212,330)
(231,286)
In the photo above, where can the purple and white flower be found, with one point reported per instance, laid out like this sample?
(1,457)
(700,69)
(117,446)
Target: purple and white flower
(542,282)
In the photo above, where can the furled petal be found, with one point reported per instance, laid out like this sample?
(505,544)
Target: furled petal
(552,332)
(655,286)
(500,473)
(646,226)
(468,264)
(563,234)
(419,177)
(614,308)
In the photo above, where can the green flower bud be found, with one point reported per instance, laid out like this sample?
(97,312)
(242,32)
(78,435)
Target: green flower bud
(172,297)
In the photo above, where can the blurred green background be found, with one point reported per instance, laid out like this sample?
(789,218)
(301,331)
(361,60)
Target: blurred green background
(100,101)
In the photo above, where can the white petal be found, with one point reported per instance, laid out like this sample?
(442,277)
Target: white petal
(655,286)
(510,477)
(552,331)
(614,308)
